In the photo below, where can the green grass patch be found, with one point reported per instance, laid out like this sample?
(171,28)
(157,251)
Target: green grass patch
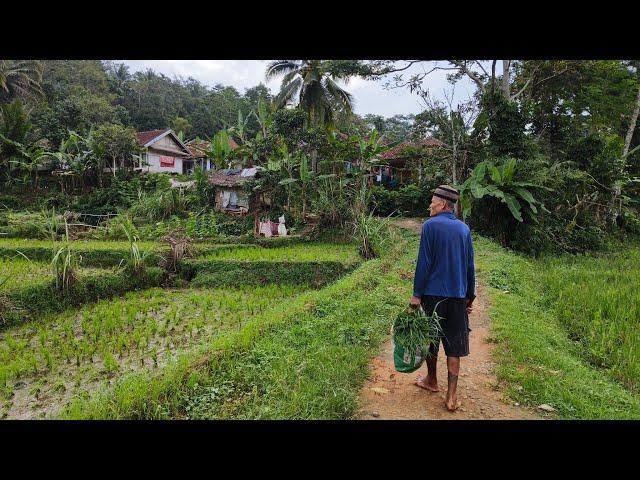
(314,264)
(17,272)
(537,359)
(94,253)
(230,274)
(301,253)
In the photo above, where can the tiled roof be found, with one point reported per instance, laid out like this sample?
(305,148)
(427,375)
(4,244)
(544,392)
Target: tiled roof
(397,151)
(146,137)
(198,147)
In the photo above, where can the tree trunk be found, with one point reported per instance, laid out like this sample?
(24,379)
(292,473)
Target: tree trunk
(505,78)
(632,125)
(454,146)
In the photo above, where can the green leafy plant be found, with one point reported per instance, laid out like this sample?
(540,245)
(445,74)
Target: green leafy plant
(220,149)
(414,330)
(499,182)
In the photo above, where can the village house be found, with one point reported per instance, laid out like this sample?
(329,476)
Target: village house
(395,168)
(163,152)
(198,149)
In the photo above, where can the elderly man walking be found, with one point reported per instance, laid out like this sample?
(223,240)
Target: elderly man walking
(445,282)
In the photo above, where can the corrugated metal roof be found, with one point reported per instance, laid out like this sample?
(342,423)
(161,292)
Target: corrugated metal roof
(222,178)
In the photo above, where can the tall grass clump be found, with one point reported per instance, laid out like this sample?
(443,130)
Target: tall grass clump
(160,205)
(65,263)
(415,331)
(371,233)
(135,258)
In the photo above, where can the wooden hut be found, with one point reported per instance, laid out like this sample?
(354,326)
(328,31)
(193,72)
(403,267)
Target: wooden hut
(231,194)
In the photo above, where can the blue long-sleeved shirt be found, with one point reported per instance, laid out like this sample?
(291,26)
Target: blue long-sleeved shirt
(445,265)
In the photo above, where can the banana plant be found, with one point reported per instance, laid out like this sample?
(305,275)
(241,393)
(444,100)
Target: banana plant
(264,118)
(499,182)
(370,148)
(220,149)
(246,148)
(29,159)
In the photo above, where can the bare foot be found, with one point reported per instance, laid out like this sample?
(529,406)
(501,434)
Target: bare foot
(424,382)
(452,404)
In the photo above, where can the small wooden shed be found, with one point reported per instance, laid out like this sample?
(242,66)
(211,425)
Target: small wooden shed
(231,194)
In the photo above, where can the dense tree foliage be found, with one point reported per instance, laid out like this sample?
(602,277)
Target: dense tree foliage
(546,153)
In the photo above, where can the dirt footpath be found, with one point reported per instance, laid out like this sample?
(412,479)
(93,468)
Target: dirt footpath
(390,395)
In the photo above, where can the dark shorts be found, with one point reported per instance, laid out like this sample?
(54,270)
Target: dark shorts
(454,324)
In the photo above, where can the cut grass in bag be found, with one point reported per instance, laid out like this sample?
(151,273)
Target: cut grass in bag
(413,332)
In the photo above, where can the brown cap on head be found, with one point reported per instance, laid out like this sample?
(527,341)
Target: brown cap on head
(447,193)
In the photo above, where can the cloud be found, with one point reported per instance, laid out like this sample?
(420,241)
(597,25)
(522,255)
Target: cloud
(370,96)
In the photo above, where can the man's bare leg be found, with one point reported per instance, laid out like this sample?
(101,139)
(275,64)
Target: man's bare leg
(430,382)
(453,368)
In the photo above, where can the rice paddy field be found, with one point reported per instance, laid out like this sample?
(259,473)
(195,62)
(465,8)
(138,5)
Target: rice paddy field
(325,252)
(51,358)
(597,299)
(287,330)
(17,272)
(44,363)
(566,329)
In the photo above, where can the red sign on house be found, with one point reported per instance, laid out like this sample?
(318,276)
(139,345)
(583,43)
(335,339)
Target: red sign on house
(167,161)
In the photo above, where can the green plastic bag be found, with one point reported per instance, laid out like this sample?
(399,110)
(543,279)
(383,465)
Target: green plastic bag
(413,332)
(406,361)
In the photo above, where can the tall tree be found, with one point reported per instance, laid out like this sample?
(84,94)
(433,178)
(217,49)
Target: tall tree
(635,66)
(20,78)
(311,85)
(115,143)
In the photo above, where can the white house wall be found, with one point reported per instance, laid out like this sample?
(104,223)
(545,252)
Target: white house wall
(154,165)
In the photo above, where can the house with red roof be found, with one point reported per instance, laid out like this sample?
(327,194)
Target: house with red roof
(163,152)
(403,163)
(199,148)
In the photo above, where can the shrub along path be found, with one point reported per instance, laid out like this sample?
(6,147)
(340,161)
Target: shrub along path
(391,395)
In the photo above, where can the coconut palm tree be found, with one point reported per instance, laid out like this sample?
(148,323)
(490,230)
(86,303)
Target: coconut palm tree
(20,78)
(313,86)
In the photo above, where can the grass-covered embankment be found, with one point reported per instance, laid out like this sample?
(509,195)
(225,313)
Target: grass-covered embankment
(94,253)
(305,358)
(28,289)
(597,298)
(554,321)
(313,264)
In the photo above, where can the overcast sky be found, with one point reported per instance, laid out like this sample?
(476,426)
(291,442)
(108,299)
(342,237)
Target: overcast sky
(370,96)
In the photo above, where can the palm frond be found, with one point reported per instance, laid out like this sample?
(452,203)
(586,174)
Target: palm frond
(288,78)
(280,67)
(287,92)
(339,94)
